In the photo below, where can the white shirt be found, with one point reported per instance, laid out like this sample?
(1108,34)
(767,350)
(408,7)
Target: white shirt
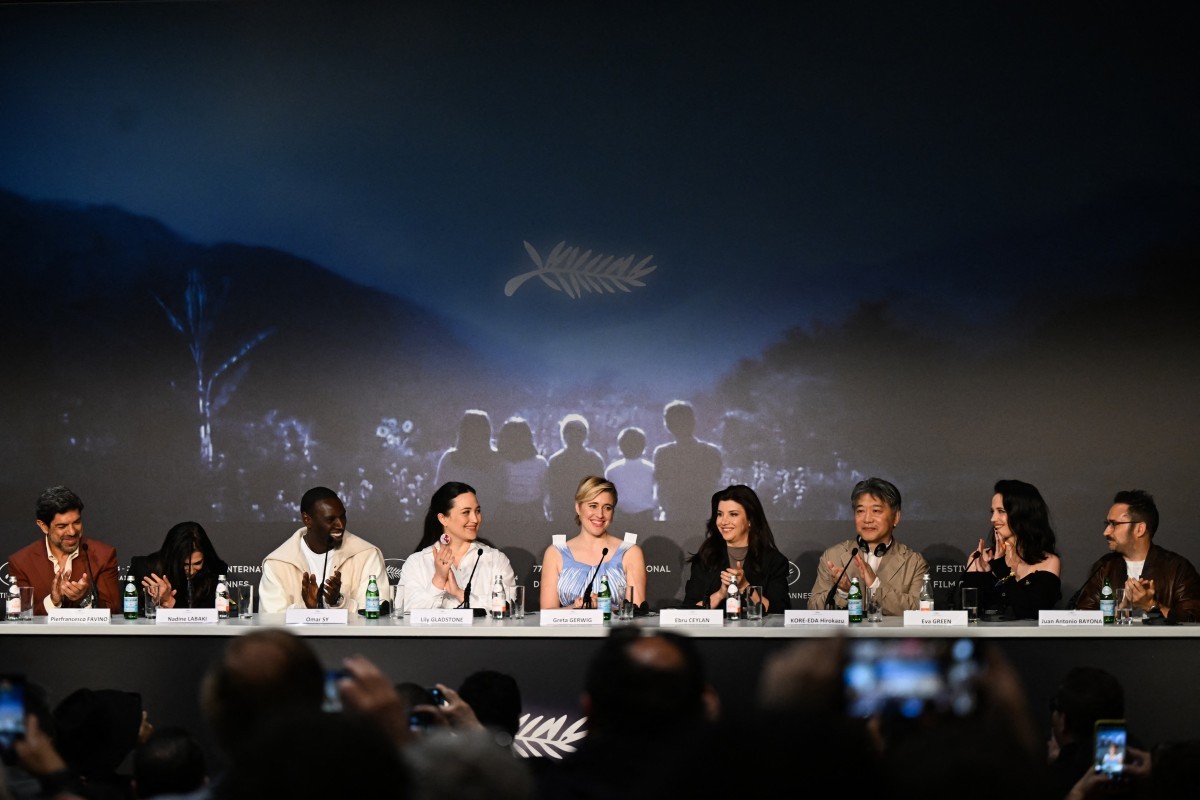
(418,571)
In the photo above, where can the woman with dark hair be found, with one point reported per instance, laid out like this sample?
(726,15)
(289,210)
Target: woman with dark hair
(1019,575)
(183,573)
(738,545)
(451,555)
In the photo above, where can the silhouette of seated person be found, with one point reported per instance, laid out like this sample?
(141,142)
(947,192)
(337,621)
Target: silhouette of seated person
(687,470)
(569,465)
(473,460)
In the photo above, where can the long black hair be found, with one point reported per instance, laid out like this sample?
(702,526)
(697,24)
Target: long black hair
(441,503)
(714,552)
(181,541)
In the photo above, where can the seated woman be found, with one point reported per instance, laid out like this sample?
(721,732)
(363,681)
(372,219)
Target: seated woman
(568,563)
(183,573)
(738,544)
(451,556)
(1019,576)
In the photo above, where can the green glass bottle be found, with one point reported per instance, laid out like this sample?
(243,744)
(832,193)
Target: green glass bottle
(372,598)
(1108,602)
(855,601)
(604,596)
(129,602)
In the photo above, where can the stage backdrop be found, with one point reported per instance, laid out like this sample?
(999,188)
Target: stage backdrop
(251,248)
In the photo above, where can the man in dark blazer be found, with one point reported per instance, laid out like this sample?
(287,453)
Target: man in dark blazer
(64,569)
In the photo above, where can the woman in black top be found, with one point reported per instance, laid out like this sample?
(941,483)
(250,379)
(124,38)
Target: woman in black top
(183,573)
(738,543)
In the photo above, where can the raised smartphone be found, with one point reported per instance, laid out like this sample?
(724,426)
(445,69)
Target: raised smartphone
(1109,747)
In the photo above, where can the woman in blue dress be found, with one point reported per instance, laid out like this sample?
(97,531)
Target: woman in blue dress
(568,563)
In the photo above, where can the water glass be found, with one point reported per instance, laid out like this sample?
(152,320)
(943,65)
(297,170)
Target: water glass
(873,605)
(970,602)
(1124,612)
(398,601)
(752,603)
(518,602)
(628,609)
(26,614)
(150,604)
(245,600)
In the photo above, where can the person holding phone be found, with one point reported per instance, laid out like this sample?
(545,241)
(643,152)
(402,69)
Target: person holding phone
(1019,575)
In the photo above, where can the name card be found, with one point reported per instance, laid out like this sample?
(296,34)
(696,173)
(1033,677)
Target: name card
(1070,619)
(186,616)
(315,616)
(691,616)
(79,616)
(441,616)
(823,617)
(571,616)
(938,619)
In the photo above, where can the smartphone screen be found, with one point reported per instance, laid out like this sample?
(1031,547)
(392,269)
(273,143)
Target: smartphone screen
(12,711)
(911,677)
(1110,747)
(333,701)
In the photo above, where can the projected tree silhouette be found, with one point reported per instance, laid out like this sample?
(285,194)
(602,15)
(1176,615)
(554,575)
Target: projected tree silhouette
(201,308)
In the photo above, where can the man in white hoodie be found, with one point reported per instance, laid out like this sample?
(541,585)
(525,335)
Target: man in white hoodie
(311,568)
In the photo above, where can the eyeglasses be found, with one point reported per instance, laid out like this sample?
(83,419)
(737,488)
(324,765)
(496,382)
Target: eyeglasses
(1113,523)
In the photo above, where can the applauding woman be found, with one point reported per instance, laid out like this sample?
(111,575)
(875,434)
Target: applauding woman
(451,557)
(592,553)
(1019,576)
(183,573)
(738,545)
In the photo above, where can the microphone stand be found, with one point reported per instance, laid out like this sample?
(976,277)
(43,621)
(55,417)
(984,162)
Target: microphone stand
(829,597)
(587,595)
(324,572)
(95,594)
(466,601)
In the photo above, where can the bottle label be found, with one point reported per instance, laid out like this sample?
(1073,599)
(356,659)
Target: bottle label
(372,604)
(855,605)
(605,606)
(1107,607)
(129,605)
(733,606)
(926,605)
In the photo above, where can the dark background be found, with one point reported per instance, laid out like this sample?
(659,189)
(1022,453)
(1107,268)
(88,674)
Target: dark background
(943,245)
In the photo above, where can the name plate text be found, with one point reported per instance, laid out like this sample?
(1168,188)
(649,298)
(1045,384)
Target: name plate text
(1070,619)
(691,616)
(316,616)
(571,616)
(79,616)
(935,619)
(823,617)
(441,616)
(186,616)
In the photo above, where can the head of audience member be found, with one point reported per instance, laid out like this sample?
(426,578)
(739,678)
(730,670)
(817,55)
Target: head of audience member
(357,758)
(680,419)
(259,676)
(95,730)
(592,488)
(1131,523)
(187,553)
(474,436)
(515,440)
(739,503)
(496,699)
(451,496)
(170,761)
(574,431)
(60,518)
(1086,694)
(452,764)
(632,442)
(324,516)
(1175,769)
(1027,519)
(643,685)
(876,505)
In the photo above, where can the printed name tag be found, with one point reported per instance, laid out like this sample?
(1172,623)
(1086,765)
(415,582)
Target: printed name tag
(186,616)
(1073,619)
(80,616)
(826,617)
(441,616)
(690,616)
(938,619)
(316,616)
(571,616)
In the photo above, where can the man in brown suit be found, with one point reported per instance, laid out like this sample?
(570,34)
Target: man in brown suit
(64,570)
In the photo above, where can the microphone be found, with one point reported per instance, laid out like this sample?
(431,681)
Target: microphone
(829,597)
(1075,597)
(466,601)
(95,595)
(324,572)
(587,596)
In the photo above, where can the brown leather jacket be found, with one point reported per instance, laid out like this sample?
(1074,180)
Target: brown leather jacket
(1176,582)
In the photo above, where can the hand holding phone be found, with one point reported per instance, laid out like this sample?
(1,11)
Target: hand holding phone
(1109,746)
(12,714)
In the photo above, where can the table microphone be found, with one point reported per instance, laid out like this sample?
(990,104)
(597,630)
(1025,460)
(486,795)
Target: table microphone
(324,572)
(466,601)
(587,596)
(829,597)
(95,601)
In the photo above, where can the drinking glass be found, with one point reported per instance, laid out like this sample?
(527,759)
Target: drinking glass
(518,602)
(150,603)
(627,609)
(245,598)
(26,603)
(970,602)
(873,605)
(398,601)
(752,603)
(1124,613)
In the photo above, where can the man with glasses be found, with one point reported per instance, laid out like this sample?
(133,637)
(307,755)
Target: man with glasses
(1160,583)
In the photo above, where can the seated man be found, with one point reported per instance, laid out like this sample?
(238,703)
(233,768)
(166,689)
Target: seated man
(64,570)
(1156,580)
(323,547)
